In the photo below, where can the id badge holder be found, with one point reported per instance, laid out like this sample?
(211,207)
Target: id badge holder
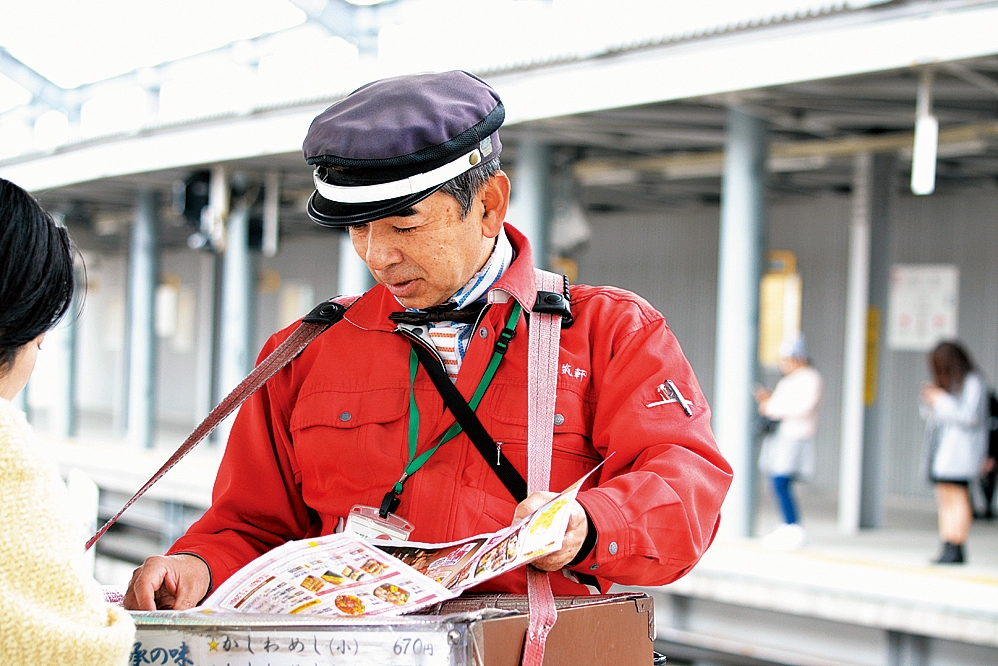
(365,522)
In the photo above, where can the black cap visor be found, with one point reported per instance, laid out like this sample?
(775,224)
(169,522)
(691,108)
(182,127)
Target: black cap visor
(335,214)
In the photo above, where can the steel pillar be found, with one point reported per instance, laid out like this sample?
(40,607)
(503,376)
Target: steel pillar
(739,271)
(861,485)
(532,196)
(875,418)
(204,358)
(143,274)
(271,213)
(235,355)
(21,399)
(854,371)
(71,343)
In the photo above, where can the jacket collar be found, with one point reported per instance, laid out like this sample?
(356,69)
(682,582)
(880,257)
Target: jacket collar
(371,310)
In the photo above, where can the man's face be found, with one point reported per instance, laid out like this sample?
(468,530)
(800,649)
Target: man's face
(423,258)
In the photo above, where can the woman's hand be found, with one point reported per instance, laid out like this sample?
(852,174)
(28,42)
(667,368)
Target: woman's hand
(931,394)
(761,396)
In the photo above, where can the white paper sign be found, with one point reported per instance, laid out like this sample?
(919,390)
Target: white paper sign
(295,647)
(923,305)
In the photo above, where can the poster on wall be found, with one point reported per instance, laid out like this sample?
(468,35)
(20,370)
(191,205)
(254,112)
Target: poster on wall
(779,306)
(923,305)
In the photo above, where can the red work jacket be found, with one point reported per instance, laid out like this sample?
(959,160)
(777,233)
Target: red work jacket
(329,431)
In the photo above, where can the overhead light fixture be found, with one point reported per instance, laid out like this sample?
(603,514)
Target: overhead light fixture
(601,177)
(925,150)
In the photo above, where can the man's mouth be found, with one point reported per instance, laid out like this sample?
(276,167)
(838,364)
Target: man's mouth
(403,288)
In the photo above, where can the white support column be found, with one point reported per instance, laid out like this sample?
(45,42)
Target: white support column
(143,259)
(739,270)
(72,350)
(532,196)
(64,421)
(204,358)
(861,485)
(352,276)
(21,399)
(854,371)
(882,202)
(271,213)
(235,357)
(207,364)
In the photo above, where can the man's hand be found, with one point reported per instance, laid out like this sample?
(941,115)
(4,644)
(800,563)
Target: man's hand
(575,535)
(176,582)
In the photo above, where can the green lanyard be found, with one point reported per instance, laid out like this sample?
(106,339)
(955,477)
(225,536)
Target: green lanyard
(391,501)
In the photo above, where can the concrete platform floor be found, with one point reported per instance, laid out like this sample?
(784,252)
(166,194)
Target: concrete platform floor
(871,598)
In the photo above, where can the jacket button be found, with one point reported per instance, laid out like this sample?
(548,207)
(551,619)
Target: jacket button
(346,416)
(558,419)
(594,567)
(613,548)
(482,333)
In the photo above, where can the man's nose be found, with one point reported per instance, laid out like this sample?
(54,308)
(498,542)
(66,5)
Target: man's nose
(381,252)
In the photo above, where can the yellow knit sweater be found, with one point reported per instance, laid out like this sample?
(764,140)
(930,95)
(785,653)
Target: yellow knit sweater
(51,612)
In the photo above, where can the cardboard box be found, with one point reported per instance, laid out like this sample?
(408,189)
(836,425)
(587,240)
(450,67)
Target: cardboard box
(604,630)
(477,630)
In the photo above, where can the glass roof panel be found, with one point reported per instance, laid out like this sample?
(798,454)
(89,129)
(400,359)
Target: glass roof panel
(72,43)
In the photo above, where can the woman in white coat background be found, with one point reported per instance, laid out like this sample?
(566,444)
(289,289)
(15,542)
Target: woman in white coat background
(788,453)
(955,408)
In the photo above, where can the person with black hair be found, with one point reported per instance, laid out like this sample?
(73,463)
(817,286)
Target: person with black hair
(955,408)
(51,610)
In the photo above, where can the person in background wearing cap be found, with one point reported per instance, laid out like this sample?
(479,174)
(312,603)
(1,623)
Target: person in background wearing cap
(788,453)
(409,168)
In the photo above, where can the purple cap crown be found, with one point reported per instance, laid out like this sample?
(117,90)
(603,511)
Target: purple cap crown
(393,142)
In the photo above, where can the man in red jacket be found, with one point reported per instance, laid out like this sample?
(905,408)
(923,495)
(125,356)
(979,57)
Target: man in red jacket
(410,167)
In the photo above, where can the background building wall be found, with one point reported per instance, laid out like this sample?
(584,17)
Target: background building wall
(671,259)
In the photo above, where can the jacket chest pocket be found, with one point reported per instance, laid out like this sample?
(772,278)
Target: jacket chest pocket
(572,453)
(350,441)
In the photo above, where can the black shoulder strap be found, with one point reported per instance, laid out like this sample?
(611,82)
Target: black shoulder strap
(462,411)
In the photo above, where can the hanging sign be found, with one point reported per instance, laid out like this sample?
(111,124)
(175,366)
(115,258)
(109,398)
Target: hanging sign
(923,305)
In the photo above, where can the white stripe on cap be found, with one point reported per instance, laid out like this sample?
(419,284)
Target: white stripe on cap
(397,188)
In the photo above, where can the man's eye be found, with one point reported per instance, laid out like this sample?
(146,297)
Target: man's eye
(358,227)
(404,230)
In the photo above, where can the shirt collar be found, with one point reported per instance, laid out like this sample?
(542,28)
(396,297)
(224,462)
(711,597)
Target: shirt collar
(482,281)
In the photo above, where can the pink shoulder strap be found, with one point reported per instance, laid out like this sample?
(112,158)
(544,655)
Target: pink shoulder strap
(542,384)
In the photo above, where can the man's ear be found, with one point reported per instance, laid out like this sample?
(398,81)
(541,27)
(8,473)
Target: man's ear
(495,200)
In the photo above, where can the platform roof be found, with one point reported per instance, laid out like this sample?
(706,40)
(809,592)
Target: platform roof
(639,120)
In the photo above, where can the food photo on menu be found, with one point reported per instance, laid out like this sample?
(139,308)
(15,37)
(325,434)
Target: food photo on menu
(345,575)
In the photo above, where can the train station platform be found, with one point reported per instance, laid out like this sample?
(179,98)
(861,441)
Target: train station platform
(871,599)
